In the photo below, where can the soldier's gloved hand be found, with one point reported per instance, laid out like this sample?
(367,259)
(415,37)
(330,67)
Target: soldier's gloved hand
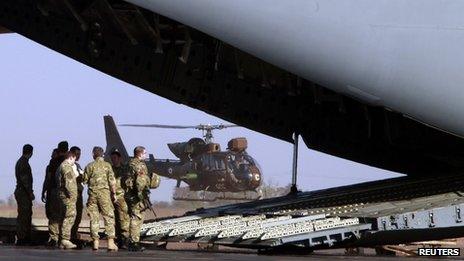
(44,199)
(32,197)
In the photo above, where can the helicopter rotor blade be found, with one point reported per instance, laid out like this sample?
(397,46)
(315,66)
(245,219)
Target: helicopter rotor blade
(223,126)
(160,126)
(198,127)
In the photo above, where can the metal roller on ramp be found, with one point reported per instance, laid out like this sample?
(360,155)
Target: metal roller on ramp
(357,215)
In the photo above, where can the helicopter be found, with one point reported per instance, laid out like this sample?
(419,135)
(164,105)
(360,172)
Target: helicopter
(209,172)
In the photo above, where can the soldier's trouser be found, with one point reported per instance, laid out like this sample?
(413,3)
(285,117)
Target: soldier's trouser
(97,203)
(24,219)
(77,222)
(69,216)
(136,221)
(122,219)
(54,215)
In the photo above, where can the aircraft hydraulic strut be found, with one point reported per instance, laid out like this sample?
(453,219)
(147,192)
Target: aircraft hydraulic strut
(294,188)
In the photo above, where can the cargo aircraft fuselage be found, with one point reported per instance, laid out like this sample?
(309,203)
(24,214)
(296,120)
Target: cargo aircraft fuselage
(377,82)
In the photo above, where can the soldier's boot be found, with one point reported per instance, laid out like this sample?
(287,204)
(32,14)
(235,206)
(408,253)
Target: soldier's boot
(122,243)
(66,244)
(96,244)
(111,245)
(52,243)
(135,247)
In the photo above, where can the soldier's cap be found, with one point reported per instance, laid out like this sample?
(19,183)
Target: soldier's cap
(63,146)
(115,151)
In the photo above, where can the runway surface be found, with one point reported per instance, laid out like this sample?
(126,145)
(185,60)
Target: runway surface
(40,253)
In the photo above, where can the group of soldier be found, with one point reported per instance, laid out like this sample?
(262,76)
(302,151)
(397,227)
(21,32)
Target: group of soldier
(116,191)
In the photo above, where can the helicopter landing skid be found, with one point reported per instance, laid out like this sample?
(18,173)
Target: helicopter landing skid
(185,194)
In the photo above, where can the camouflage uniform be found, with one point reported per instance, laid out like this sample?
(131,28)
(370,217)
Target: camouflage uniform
(52,203)
(79,204)
(137,190)
(23,195)
(121,209)
(100,178)
(68,197)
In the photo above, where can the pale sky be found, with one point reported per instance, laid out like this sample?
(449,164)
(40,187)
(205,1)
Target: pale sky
(46,97)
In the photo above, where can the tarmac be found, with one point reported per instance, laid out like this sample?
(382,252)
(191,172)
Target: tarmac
(8,252)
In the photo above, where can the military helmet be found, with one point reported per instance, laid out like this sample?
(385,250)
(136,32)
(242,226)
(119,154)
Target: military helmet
(154,181)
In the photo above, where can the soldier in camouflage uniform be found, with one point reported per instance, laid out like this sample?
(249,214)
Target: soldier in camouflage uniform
(137,192)
(121,210)
(50,194)
(24,196)
(66,178)
(80,202)
(102,187)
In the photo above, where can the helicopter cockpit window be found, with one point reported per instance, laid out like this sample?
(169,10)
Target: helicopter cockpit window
(241,163)
(243,167)
(251,161)
(241,159)
(211,162)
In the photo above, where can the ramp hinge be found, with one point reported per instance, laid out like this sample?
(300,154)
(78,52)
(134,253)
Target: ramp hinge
(457,209)
(431,220)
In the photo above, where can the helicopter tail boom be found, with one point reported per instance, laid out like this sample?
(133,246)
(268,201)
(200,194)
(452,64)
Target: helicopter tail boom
(172,169)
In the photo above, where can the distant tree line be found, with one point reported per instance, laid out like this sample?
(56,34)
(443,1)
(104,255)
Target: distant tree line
(269,190)
(9,202)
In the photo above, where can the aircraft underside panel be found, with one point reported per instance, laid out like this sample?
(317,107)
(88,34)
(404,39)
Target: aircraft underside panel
(392,53)
(186,66)
(3,30)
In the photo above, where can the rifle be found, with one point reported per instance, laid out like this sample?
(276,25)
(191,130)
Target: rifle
(147,202)
(148,205)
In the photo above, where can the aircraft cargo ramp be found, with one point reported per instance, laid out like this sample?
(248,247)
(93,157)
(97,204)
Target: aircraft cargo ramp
(392,211)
